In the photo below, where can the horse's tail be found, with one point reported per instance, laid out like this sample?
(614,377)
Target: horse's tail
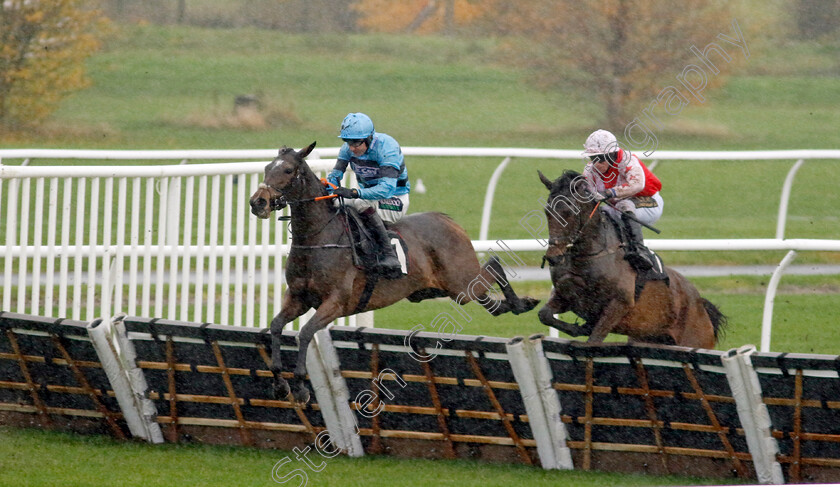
(718,319)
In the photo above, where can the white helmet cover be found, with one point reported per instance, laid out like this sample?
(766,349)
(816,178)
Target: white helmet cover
(600,142)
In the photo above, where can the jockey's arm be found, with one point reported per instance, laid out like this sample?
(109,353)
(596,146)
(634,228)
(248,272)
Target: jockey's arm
(634,181)
(385,186)
(592,181)
(337,174)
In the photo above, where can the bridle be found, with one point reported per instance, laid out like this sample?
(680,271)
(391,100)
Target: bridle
(281,201)
(569,243)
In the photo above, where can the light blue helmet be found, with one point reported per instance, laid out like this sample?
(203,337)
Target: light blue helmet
(356,126)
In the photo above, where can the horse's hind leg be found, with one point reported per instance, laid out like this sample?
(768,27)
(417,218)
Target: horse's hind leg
(513,303)
(698,329)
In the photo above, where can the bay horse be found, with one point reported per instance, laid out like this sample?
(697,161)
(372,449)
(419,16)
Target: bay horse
(592,279)
(320,270)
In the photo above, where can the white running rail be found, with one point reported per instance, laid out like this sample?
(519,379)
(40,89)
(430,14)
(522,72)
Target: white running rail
(114,229)
(175,242)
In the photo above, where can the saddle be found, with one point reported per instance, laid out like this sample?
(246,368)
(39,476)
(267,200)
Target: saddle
(364,248)
(655,273)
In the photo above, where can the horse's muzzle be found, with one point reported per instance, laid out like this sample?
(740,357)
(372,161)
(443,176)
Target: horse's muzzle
(259,207)
(263,202)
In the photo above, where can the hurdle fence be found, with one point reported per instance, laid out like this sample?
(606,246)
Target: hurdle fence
(541,401)
(178,241)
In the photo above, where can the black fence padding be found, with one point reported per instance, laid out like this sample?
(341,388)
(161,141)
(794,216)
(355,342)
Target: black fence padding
(465,404)
(66,401)
(199,382)
(796,418)
(644,384)
(643,400)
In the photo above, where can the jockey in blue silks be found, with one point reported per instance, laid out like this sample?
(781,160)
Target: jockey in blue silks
(382,196)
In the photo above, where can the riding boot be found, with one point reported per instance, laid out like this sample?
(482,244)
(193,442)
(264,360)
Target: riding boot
(636,253)
(389,264)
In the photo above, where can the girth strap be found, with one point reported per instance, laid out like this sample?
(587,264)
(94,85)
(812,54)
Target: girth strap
(370,283)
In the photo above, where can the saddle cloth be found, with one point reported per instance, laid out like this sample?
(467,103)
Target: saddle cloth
(644,202)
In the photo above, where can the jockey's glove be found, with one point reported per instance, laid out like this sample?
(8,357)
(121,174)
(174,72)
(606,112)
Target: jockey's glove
(346,192)
(606,194)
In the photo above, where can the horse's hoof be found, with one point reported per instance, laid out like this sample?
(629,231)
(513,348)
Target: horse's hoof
(280,389)
(546,316)
(302,395)
(526,304)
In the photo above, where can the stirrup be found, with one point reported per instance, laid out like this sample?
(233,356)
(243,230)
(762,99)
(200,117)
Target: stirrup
(388,264)
(390,271)
(638,260)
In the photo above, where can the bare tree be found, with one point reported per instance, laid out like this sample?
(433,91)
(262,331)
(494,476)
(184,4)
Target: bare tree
(182,11)
(620,52)
(816,18)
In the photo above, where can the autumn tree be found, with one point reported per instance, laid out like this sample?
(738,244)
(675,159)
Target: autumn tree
(43,46)
(416,16)
(621,53)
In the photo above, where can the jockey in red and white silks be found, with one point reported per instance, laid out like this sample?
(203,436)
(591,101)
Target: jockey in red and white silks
(628,178)
(618,176)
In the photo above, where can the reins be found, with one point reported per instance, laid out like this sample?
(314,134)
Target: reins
(579,233)
(316,232)
(554,260)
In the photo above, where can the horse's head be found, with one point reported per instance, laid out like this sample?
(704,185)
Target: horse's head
(280,177)
(569,197)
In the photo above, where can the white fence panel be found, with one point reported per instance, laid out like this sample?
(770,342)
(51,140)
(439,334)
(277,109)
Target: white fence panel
(176,242)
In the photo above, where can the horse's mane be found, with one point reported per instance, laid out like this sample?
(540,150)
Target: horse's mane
(566,179)
(563,184)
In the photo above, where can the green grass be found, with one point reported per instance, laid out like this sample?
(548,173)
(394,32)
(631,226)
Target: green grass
(30,458)
(150,80)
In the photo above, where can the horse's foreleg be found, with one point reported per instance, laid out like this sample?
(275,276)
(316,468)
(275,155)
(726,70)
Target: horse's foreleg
(612,314)
(554,306)
(513,303)
(290,309)
(327,312)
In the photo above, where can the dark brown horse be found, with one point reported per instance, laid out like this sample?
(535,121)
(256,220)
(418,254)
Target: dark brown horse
(592,280)
(320,272)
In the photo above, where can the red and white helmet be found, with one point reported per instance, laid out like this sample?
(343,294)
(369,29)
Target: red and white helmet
(600,142)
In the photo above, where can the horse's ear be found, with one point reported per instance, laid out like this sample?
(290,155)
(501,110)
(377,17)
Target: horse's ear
(306,150)
(547,182)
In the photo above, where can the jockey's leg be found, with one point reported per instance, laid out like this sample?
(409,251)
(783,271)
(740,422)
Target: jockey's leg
(635,253)
(389,264)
